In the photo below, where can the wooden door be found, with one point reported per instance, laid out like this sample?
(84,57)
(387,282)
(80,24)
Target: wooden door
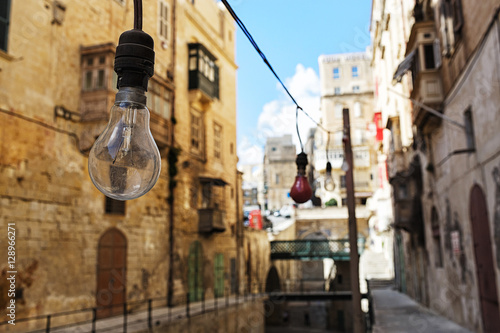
(111,273)
(219,275)
(195,272)
(485,267)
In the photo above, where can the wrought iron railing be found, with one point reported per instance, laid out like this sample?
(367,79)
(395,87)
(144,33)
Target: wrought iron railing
(314,249)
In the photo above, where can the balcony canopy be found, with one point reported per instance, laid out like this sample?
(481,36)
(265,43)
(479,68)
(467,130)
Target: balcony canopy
(404,67)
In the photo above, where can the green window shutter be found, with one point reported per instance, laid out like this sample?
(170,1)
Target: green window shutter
(219,275)
(195,272)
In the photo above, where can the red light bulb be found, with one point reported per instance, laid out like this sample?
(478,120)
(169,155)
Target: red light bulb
(301,190)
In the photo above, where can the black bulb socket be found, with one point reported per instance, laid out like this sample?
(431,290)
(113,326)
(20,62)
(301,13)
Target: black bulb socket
(301,162)
(134,59)
(328,168)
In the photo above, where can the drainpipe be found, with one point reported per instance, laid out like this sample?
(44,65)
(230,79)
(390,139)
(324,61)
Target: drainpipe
(170,199)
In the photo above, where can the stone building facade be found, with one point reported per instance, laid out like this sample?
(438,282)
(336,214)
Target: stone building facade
(445,180)
(279,171)
(74,247)
(346,82)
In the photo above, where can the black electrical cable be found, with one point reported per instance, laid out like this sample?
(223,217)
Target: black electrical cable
(263,56)
(327,146)
(297,126)
(138,14)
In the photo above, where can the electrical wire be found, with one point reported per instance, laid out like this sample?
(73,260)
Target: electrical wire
(263,56)
(297,126)
(327,146)
(138,14)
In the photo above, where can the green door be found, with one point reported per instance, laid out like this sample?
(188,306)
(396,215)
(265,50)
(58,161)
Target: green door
(219,275)
(195,272)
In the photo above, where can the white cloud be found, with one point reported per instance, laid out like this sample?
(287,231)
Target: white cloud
(249,152)
(278,116)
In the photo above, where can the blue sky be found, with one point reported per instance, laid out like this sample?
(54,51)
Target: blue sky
(292,34)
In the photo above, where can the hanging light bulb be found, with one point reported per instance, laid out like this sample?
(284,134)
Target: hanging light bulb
(329,183)
(124,162)
(301,190)
(345,165)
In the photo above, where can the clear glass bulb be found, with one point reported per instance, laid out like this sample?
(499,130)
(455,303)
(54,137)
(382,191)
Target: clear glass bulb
(329,183)
(345,165)
(124,162)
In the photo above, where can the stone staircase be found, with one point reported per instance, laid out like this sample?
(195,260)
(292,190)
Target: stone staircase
(374,266)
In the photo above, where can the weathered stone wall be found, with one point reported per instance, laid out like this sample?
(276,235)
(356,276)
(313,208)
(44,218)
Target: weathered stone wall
(44,184)
(246,317)
(456,296)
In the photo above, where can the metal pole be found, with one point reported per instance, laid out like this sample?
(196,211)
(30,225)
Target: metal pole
(215,302)
(150,310)
(353,230)
(94,319)
(125,317)
(47,328)
(203,301)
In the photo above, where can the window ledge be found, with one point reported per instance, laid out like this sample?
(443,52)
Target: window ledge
(8,57)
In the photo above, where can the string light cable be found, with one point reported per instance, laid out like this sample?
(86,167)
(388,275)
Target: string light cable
(263,56)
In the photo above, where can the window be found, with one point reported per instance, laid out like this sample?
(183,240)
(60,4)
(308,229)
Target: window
(436,237)
(358,113)
(159,99)
(337,138)
(113,206)
(277,179)
(469,129)
(342,185)
(336,91)
(212,196)
(96,69)
(336,73)
(234,284)
(402,192)
(4,24)
(355,89)
(338,111)
(451,22)
(163,20)
(429,62)
(217,141)
(197,142)
(354,71)
(203,72)
(358,137)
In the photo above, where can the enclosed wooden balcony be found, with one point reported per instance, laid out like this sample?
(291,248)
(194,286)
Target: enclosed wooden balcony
(211,220)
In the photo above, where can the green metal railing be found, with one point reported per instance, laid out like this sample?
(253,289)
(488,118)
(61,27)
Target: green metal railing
(314,249)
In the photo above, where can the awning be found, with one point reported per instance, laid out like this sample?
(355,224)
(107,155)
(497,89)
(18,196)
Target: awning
(403,67)
(213,181)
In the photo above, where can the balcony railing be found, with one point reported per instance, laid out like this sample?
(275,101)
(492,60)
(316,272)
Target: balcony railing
(211,220)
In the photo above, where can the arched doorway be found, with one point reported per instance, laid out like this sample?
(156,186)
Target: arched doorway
(485,266)
(111,273)
(273,280)
(195,272)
